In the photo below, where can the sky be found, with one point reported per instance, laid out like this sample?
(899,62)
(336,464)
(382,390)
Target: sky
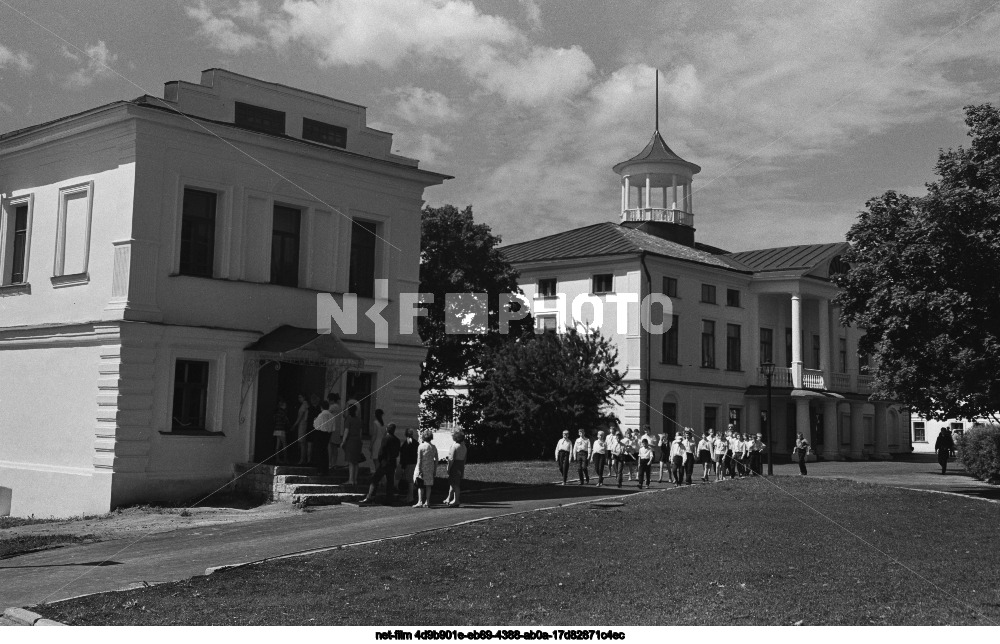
(797,112)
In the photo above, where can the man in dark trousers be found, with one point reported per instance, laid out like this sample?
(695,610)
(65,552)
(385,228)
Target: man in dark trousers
(943,446)
(385,466)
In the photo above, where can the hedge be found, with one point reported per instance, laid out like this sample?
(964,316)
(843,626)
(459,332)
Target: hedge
(979,449)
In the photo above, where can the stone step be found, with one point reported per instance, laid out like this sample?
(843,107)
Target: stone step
(314,488)
(326,499)
(299,479)
(285,470)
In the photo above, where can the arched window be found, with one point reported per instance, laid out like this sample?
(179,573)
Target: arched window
(837,266)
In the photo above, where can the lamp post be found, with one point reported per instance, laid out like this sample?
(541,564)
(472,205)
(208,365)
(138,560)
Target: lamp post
(767,370)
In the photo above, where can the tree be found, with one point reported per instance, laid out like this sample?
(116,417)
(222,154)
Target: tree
(526,392)
(458,256)
(924,283)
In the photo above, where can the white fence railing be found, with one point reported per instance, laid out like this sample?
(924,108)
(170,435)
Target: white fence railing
(668,215)
(812,379)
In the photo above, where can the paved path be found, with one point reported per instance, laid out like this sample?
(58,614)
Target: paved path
(170,556)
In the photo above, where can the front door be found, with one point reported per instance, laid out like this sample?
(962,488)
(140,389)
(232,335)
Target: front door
(282,381)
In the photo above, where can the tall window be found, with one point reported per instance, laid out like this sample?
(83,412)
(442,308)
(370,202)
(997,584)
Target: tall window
(919,436)
(285,246)
(670,344)
(670,286)
(711,418)
(732,297)
(364,235)
(708,343)
(602,283)
(547,287)
(734,347)
(669,418)
(708,293)
(736,418)
(788,346)
(190,394)
(198,233)
(261,119)
(843,355)
(815,352)
(544,323)
(16,246)
(766,345)
(324,133)
(73,230)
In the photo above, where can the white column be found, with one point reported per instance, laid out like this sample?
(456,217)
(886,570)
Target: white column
(665,204)
(802,424)
(647,192)
(857,431)
(796,340)
(624,183)
(831,440)
(881,432)
(690,199)
(673,183)
(628,189)
(824,341)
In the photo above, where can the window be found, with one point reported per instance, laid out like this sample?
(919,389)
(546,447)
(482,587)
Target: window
(603,283)
(919,435)
(364,235)
(864,365)
(324,133)
(708,293)
(545,323)
(711,418)
(15,243)
(73,230)
(815,352)
(733,347)
(736,418)
(708,344)
(670,286)
(788,346)
(669,418)
(285,246)
(547,288)
(843,355)
(957,427)
(670,344)
(260,119)
(190,395)
(198,233)
(766,345)
(732,297)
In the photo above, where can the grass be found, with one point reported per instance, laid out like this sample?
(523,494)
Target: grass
(740,552)
(21,544)
(14,522)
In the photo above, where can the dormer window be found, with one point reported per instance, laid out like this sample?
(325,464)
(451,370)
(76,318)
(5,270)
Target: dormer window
(260,119)
(324,133)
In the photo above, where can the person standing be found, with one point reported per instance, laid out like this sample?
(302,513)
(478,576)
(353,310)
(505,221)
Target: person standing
(733,452)
(280,423)
(720,446)
(301,428)
(564,448)
(377,433)
(799,452)
(705,453)
(756,454)
(645,462)
(944,446)
(619,457)
(408,462)
(677,459)
(689,455)
(581,455)
(613,447)
(427,458)
(631,452)
(385,467)
(664,447)
(600,453)
(456,469)
(353,427)
(323,424)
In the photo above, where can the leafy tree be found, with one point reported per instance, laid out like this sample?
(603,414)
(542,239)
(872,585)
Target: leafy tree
(458,256)
(924,282)
(526,392)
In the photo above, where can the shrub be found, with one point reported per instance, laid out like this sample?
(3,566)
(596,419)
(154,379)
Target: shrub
(979,449)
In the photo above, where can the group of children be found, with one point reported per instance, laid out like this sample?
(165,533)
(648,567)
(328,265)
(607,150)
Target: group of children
(730,454)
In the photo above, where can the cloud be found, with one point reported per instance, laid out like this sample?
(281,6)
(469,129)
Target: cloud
(6,108)
(422,106)
(96,64)
(489,50)
(429,149)
(18,60)
(532,12)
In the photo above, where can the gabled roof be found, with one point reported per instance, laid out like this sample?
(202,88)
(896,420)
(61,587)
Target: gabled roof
(604,239)
(788,258)
(306,346)
(655,151)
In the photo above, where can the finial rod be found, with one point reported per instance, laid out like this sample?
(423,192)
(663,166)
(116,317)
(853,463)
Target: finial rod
(657,120)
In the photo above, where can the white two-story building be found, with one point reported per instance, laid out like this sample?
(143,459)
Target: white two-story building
(162,260)
(730,312)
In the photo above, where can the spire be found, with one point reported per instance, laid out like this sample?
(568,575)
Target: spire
(657,100)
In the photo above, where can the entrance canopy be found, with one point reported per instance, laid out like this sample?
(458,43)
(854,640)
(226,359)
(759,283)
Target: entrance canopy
(304,346)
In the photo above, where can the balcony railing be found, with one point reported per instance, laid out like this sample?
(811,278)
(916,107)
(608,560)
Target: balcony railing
(782,377)
(812,379)
(864,384)
(840,381)
(668,215)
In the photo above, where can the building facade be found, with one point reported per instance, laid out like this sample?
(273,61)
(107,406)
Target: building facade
(162,264)
(726,314)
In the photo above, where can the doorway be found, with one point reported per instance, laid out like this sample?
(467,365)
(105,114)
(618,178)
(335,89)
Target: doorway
(282,381)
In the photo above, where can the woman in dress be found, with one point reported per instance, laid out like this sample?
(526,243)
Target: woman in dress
(408,461)
(423,475)
(456,469)
(353,426)
(301,427)
(664,447)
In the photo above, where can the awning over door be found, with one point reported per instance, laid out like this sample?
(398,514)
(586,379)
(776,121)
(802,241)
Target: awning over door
(304,346)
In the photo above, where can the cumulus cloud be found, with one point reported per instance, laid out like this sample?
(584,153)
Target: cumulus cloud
(487,49)
(95,64)
(423,106)
(532,12)
(426,147)
(17,60)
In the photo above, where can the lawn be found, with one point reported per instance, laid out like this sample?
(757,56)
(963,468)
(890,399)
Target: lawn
(738,552)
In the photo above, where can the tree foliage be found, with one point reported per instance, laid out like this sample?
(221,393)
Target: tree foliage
(526,392)
(458,256)
(924,283)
